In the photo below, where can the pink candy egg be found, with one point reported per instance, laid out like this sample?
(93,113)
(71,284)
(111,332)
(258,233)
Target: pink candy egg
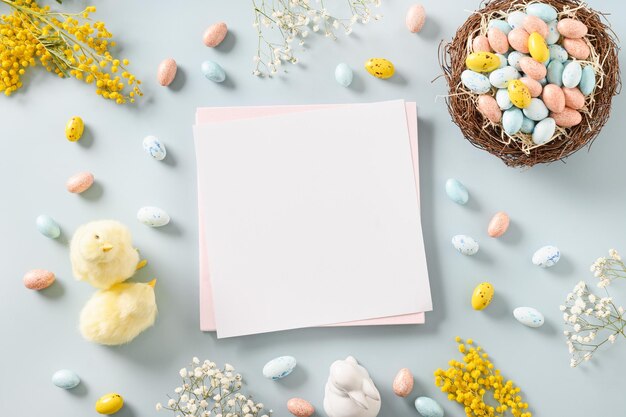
(553,98)
(572,28)
(403,383)
(535,70)
(498,40)
(534,24)
(166,71)
(300,407)
(215,34)
(79,183)
(415,18)
(518,39)
(481,44)
(577,48)
(499,224)
(489,108)
(534,86)
(574,98)
(567,118)
(38,279)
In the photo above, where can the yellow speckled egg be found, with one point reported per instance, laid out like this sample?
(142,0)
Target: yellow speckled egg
(482,61)
(519,94)
(109,403)
(74,129)
(482,295)
(380,67)
(538,48)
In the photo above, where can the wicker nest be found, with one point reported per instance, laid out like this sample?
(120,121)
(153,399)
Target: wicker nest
(519,150)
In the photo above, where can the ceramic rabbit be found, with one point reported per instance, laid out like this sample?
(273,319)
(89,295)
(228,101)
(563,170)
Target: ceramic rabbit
(350,392)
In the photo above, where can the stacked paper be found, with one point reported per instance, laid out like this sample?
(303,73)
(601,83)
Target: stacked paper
(309,216)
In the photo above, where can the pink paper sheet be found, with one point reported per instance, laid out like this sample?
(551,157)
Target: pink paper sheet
(221,114)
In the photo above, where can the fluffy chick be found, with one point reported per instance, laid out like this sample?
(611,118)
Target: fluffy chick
(117,315)
(102,253)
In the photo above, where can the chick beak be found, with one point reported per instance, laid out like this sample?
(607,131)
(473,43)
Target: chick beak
(152,283)
(107,247)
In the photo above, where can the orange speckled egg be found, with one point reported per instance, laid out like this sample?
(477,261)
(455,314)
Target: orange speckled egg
(567,118)
(403,383)
(38,279)
(574,98)
(215,34)
(572,28)
(499,224)
(518,39)
(577,48)
(79,183)
(166,71)
(535,70)
(300,407)
(534,24)
(534,86)
(553,98)
(481,44)
(489,108)
(498,40)
(415,18)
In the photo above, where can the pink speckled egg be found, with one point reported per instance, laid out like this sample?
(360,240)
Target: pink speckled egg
(415,18)
(534,86)
(300,407)
(166,71)
(215,34)
(498,40)
(518,39)
(567,118)
(79,183)
(534,24)
(499,224)
(553,98)
(577,48)
(489,108)
(572,28)
(574,98)
(403,383)
(38,279)
(533,69)
(481,44)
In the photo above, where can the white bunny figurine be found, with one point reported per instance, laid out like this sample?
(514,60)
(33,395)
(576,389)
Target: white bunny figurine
(350,392)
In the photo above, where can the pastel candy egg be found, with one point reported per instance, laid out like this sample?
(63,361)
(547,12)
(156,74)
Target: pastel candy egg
(553,98)
(498,40)
(109,403)
(74,129)
(546,256)
(512,120)
(567,118)
(534,24)
(587,80)
(528,126)
(279,367)
(572,28)
(555,73)
(482,61)
(516,19)
(427,407)
(537,110)
(503,100)
(577,48)
(466,245)
(153,216)
(519,94)
(503,60)
(558,53)
(544,130)
(65,379)
(456,191)
(482,296)
(403,383)
(574,99)
(553,33)
(48,227)
(415,18)
(500,78)
(213,71)
(499,224)
(514,58)
(518,39)
(543,81)
(343,74)
(538,47)
(528,316)
(380,68)
(79,182)
(543,11)
(572,74)
(38,279)
(300,407)
(481,44)
(166,72)
(215,34)
(500,24)
(489,108)
(535,70)
(153,147)
(475,82)
(534,86)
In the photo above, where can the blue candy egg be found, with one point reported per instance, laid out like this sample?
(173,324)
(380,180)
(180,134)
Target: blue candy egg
(516,19)
(527,125)
(500,78)
(512,120)
(48,227)
(514,58)
(572,74)
(544,130)
(537,110)
(543,81)
(343,74)
(500,24)
(503,60)
(555,73)
(213,71)
(553,33)
(503,99)
(543,11)
(475,82)
(65,379)
(456,191)
(279,367)
(587,80)
(558,53)
(427,407)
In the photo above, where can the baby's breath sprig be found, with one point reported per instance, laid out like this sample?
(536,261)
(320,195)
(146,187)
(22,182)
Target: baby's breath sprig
(279,23)
(592,321)
(68,44)
(207,391)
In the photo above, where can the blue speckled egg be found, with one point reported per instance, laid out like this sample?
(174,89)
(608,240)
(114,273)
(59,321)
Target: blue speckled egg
(516,19)
(512,120)
(514,58)
(587,80)
(466,245)
(65,379)
(555,73)
(503,60)
(153,147)
(543,81)
(343,74)
(558,53)
(153,216)
(572,73)
(500,24)
(48,227)
(537,110)
(543,11)
(503,99)
(528,316)
(213,71)
(527,125)
(553,33)
(456,191)
(546,256)
(500,78)
(475,82)
(427,407)
(544,130)
(279,367)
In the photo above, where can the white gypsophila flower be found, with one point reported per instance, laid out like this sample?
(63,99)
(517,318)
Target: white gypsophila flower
(183,372)
(228,367)
(204,404)
(178,390)
(612,338)
(184,398)
(158,406)
(171,403)
(195,360)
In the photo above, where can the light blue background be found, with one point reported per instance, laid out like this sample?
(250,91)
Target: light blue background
(578,206)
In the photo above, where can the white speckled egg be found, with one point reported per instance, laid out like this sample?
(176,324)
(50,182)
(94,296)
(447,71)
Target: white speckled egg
(528,316)
(466,245)
(587,80)
(65,379)
(558,53)
(279,367)
(503,60)
(475,82)
(153,147)
(500,78)
(514,58)
(516,19)
(153,216)
(553,33)
(544,130)
(343,74)
(555,73)
(546,256)
(48,227)
(537,110)
(456,191)
(512,120)
(503,100)
(572,74)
